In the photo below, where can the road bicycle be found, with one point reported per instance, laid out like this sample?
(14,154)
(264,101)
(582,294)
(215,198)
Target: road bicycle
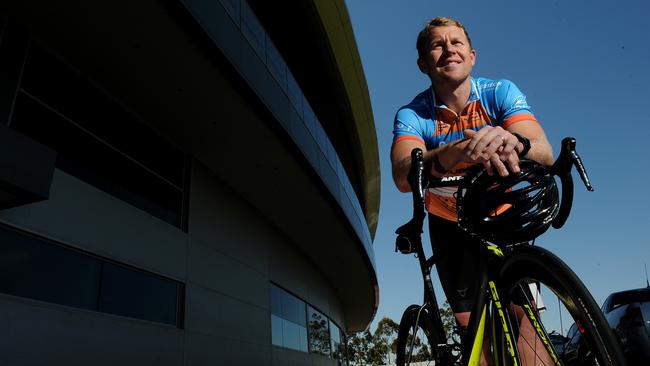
(509,318)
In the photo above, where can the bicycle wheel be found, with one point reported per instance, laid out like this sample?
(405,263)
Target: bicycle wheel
(414,338)
(562,327)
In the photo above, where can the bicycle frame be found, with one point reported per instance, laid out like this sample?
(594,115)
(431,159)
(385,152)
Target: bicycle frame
(491,258)
(488,301)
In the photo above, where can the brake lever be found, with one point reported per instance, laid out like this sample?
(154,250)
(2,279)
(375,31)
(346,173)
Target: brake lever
(567,159)
(580,167)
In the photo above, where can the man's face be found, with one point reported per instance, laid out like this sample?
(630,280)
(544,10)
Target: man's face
(449,58)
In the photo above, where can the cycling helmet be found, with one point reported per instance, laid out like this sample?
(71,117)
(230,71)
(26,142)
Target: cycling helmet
(507,210)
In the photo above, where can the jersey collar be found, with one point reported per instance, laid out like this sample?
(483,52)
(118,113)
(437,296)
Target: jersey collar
(473,95)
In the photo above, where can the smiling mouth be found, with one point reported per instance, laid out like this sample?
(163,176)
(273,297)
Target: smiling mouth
(450,62)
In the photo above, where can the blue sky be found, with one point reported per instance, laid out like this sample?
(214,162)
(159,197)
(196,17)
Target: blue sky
(584,66)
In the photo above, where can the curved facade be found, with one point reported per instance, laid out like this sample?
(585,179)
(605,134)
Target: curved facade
(211,198)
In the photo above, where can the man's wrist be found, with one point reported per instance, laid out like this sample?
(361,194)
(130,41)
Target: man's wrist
(439,161)
(444,159)
(437,165)
(525,143)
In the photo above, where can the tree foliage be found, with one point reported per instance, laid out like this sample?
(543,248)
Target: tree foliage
(319,334)
(373,348)
(378,348)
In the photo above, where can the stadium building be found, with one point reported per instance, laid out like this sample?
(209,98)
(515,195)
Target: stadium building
(184,182)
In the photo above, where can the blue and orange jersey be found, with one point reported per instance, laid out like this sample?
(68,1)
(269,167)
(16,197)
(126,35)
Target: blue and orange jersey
(426,119)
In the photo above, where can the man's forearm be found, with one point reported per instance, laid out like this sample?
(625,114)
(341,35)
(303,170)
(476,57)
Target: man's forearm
(436,162)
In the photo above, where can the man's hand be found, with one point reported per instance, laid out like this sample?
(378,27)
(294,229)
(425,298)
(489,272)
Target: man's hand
(495,148)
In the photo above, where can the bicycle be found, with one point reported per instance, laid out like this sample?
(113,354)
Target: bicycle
(508,270)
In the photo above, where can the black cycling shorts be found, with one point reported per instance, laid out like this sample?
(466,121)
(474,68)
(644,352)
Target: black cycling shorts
(457,264)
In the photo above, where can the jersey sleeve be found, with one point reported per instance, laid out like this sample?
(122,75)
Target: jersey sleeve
(407,126)
(512,103)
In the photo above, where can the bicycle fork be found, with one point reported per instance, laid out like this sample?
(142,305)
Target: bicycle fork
(489,308)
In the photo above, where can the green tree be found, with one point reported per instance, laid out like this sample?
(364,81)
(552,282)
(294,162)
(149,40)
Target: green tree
(383,341)
(448,319)
(358,348)
(373,348)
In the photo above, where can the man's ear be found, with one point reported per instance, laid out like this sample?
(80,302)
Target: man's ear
(423,66)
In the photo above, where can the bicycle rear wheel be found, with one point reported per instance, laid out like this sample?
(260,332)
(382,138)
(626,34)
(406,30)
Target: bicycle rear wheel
(562,327)
(414,338)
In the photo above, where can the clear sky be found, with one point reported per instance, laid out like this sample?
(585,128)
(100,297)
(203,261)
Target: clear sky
(585,68)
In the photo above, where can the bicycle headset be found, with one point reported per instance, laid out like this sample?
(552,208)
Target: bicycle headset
(508,210)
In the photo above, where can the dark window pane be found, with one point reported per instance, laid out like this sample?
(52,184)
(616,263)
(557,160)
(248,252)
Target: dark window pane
(336,345)
(54,83)
(291,335)
(343,348)
(276,331)
(137,294)
(88,159)
(276,300)
(14,42)
(319,337)
(36,269)
(293,309)
(288,320)
(304,346)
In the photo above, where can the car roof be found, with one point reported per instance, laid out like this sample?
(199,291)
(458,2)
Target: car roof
(617,299)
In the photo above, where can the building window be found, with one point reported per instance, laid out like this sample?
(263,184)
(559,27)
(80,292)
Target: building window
(137,294)
(97,140)
(319,333)
(298,326)
(36,268)
(337,342)
(288,320)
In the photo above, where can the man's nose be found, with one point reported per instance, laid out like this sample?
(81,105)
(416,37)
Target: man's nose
(449,47)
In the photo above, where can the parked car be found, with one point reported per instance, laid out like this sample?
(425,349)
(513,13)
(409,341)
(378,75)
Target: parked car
(628,313)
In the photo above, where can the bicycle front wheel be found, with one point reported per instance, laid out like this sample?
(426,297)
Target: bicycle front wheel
(414,338)
(554,318)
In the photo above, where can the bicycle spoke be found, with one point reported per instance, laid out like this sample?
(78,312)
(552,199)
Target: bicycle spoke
(537,342)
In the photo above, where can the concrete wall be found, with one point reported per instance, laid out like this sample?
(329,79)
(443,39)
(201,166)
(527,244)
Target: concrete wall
(227,261)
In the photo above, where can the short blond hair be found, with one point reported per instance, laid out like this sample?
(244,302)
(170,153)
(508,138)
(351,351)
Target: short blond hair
(424,37)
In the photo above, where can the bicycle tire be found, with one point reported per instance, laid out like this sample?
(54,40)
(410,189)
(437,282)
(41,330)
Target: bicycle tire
(596,343)
(408,349)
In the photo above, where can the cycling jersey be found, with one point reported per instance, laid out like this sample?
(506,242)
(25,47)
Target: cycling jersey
(426,119)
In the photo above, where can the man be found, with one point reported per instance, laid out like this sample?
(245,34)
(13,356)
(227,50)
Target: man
(461,121)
